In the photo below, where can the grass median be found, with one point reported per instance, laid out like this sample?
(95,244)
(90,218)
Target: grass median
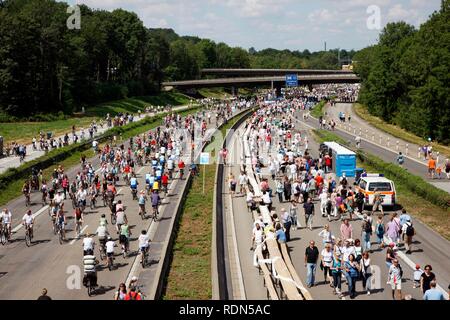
(362,112)
(318,111)
(189,276)
(413,193)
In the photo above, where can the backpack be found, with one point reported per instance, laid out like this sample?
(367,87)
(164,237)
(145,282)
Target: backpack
(380,229)
(410,231)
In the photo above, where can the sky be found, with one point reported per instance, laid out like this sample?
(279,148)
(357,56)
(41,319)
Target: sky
(279,24)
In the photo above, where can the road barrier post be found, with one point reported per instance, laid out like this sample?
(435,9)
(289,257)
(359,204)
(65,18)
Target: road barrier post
(397,145)
(354,131)
(380,138)
(367,133)
(388,141)
(360,132)
(373,136)
(406,149)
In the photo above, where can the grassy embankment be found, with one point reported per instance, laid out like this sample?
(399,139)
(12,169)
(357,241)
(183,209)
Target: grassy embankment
(396,131)
(23,132)
(318,111)
(436,216)
(189,276)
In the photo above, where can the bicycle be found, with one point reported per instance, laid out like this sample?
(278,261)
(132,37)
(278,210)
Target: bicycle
(4,234)
(93,202)
(102,250)
(27,200)
(90,287)
(78,227)
(155,213)
(28,236)
(55,225)
(144,256)
(110,262)
(113,218)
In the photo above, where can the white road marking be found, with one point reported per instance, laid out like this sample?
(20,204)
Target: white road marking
(35,215)
(78,237)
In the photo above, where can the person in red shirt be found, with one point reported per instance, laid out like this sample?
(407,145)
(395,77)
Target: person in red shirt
(181,166)
(133,295)
(319,181)
(165,181)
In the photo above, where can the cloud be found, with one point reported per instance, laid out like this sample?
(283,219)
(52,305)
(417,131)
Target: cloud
(397,12)
(323,15)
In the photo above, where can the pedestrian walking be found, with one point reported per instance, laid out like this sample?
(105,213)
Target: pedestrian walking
(433,293)
(366,272)
(346,230)
(311,257)
(293,213)
(287,223)
(409,232)
(379,231)
(325,234)
(395,279)
(352,269)
(426,278)
(336,271)
(366,232)
(309,213)
(327,263)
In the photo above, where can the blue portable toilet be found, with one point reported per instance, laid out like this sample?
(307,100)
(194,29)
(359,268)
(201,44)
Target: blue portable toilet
(344,160)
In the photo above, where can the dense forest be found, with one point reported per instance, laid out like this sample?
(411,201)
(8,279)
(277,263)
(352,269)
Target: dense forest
(46,67)
(406,76)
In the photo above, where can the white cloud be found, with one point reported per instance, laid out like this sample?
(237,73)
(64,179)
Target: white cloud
(397,12)
(323,15)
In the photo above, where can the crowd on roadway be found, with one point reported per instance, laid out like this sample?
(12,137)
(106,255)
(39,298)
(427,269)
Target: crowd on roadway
(305,183)
(161,153)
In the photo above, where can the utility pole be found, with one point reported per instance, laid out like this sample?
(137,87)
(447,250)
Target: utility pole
(325,46)
(339,57)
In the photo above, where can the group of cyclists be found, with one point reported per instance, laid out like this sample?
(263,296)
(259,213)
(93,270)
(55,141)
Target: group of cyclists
(160,151)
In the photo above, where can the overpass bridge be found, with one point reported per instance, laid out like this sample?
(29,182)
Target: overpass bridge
(267,72)
(274,82)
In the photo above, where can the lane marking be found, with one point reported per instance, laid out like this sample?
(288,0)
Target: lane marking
(81,232)
(34,215)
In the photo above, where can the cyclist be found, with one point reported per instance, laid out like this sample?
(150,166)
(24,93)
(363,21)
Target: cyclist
(133,184)
(165,182)
(400,159)
(78,217)
(26,190)
(143,243)
(124,236)
(81,197)
(44,191)
(181,166)
(93,192)
(61,220)
(6,218)
(121,218)
(102,233)
(119,206)
(28,221)
(90,270)
(149,180)
(170,166)
(110,248)
(156,200)
(88,245)
(142,199)
(103,221)
(111,192)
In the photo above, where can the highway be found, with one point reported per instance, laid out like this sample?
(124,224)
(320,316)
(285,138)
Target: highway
(247,282)
(26,270)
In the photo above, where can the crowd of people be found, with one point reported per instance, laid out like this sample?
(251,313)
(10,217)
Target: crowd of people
(305,183)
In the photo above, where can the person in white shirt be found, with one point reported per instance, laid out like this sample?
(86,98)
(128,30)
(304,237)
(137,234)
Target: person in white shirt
(81,196)
(6,218)
(242,182)
(323,197)
(88,245)
(143,241)
(257,241)
(28,221)
(325,234)
(102,232)
(110,244)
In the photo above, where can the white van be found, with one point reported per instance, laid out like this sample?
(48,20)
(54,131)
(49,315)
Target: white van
(371,182)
